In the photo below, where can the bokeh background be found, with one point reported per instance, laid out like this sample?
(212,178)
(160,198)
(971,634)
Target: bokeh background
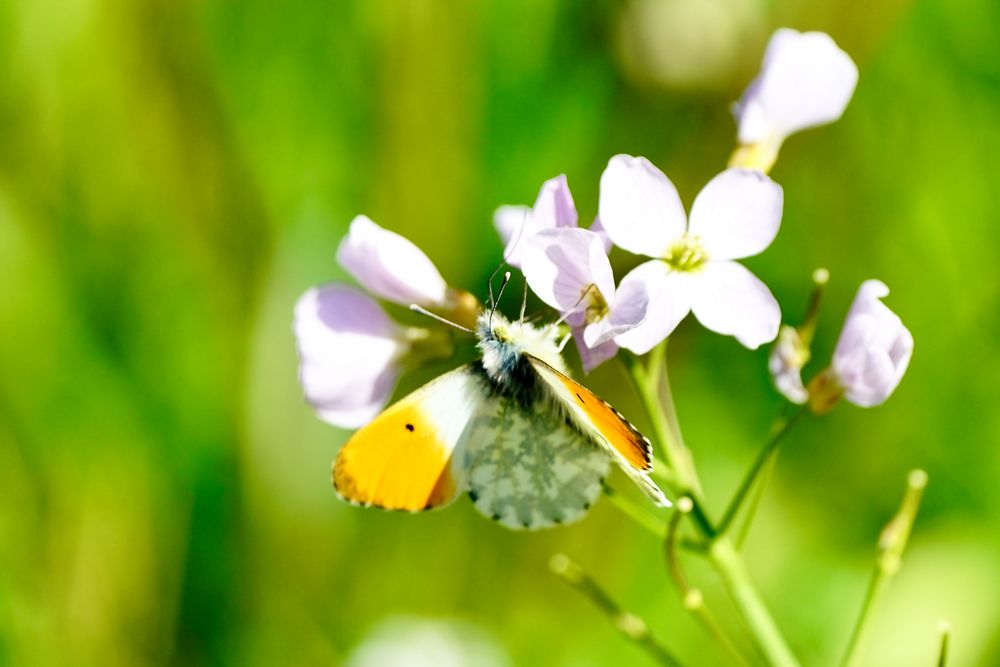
(174,174)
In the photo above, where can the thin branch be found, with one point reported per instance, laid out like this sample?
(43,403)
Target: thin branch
(634,512)
(630,625)
(891,544)
(692,597)
(673,450)
(944,628)
(765,453)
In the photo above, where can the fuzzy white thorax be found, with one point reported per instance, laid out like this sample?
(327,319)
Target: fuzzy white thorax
(503,342)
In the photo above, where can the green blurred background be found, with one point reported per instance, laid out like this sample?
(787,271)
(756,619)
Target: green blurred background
(173,175)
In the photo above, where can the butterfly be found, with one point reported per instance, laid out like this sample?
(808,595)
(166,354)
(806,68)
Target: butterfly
(530,446)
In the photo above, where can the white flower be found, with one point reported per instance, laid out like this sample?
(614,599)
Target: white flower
(516,225)
(873,350)
(391,266)
(569,270)
(553,209)
(736,215)
(349,354)
(806,80)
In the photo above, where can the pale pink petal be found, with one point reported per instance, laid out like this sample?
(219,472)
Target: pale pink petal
(516,225)
(806,80)
(390,266)
(737,214)
(669,302)
(513,223)
(348,354)
(554,206)
(598,229)
(592,357)
(560,264)
(874,348)
(639,207)
(728,299)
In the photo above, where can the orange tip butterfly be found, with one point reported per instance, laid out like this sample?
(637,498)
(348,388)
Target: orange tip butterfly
(529,445)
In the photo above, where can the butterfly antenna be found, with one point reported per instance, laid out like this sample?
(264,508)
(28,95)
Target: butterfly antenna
(524,301)
(423,311)
(503,286)
(493,303)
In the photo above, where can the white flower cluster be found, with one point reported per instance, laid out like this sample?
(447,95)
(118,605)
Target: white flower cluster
(352,352)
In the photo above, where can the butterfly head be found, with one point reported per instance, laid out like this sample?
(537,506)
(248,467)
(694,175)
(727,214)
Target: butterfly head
(503,345)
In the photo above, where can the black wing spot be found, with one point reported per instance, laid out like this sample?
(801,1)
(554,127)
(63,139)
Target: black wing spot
(409,427)
(581,398)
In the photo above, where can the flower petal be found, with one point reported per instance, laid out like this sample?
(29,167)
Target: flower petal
(560,264)
(512,224)
(516,225)
(592,357)
(348,354)
(729,300)
(598,229)
(554,206)
(390,266)
(639,207)
(874,348)
(737,214)
(806,80)
(668,304)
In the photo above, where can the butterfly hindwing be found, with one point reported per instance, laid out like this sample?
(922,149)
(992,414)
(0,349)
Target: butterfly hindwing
(604,425)
(528,469)
(409,458)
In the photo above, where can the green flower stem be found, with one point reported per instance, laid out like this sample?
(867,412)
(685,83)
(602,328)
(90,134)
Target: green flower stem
(632,510)
(758,495)
(782,428)
(945,629)
(674,452)
(721,553)
(627,623)
(692,597)
(729,564)
(891,544)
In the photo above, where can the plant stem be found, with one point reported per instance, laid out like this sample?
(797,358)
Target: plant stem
(891,544)
(729,565)
(770,446)
(634,512)
(944,627)
(627,623)
(723,557)
(692,597)
(758,496)
(673,449)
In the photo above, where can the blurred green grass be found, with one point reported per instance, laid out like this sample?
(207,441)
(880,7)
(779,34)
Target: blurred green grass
(174,174)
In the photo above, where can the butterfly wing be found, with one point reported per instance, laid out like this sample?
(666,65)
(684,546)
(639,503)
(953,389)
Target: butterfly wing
(409,457)
(528,469)
(604,425)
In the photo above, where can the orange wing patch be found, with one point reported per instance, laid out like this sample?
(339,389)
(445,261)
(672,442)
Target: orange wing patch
(402,460)
(633,446)
(396,462)
(624,437)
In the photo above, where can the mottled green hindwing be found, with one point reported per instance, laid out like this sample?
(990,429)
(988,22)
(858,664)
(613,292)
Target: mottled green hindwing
(527,469)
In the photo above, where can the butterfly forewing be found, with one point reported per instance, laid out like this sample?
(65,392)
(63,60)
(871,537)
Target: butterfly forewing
(409,457)
(526,468)
(605,425)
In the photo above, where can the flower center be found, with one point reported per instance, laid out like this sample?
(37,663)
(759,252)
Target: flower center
(595,305)
(686,254)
